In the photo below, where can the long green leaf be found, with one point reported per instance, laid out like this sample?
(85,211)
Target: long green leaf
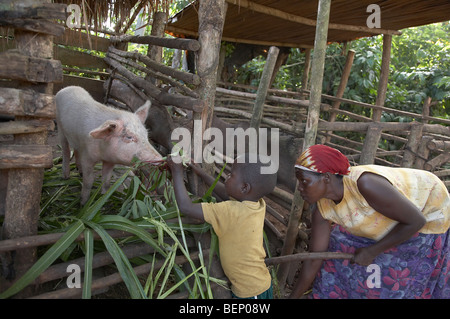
(121,223)
(185,252)
(168,269)
(46,260)
(124,267)
(149,284)
(168,292)
(213,185)
(89,243)
(205,272)
(89,211)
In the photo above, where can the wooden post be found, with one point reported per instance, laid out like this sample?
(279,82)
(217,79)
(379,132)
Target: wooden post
(370,146)
(426,110)
(373,134)
(384,75)
(24,184)
(306,69)
(415,136)
(211,16)
(422,152)
(154,52)
(263,87)
(341,88)
(318,61)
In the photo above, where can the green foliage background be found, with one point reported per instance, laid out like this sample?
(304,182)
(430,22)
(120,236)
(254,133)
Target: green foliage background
(420,67)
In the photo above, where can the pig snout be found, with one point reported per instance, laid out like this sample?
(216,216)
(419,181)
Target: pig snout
(149,154)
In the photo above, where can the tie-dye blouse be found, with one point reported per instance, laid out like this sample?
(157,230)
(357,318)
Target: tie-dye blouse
(424,189)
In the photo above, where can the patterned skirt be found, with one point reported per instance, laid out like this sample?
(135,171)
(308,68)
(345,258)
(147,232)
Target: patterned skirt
(416,269)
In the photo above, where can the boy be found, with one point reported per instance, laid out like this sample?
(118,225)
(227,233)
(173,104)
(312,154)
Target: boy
(238,222)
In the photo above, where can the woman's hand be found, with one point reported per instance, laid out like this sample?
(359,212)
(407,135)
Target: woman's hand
(364,256)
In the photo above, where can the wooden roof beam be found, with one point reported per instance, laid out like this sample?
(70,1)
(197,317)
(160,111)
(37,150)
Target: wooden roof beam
(305,21)
(174,31)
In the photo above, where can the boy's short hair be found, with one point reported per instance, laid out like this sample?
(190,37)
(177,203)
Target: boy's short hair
(264,183)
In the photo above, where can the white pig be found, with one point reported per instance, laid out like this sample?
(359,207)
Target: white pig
(99,133)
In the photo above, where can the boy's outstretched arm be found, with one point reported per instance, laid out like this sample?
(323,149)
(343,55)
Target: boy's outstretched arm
(184,202)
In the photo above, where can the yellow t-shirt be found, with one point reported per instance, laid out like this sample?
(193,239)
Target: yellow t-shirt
(424,189)
(239,226)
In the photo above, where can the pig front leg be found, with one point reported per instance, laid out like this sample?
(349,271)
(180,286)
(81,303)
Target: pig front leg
(65,155)
(78,162)
(107,170)
(88,181)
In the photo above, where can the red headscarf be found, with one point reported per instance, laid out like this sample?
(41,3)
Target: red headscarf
(323,159)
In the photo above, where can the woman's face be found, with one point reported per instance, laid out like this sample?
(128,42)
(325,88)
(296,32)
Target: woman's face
(310,185)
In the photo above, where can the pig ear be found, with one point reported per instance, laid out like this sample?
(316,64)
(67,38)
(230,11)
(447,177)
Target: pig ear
(142,112)
(106,129)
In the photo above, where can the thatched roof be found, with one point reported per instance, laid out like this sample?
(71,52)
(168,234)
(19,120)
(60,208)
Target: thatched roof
(291,23)
(123,11)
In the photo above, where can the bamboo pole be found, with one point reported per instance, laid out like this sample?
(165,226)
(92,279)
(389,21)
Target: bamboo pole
(263,87)
(317,68)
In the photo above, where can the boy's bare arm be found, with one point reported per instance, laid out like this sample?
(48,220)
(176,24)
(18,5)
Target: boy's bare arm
(184,202)
(219,189)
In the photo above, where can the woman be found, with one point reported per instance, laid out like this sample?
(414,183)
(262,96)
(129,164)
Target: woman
(394,220)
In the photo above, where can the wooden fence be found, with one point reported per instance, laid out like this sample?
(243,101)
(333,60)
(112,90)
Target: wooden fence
(420,144)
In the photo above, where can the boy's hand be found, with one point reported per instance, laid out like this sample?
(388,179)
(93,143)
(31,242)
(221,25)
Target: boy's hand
(175,163)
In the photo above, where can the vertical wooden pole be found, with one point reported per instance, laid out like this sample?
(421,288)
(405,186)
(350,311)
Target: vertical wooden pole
(342,86)
(426,109)
(373,134)
(263,87)
(307,67)
(370,145)
(320,46)
(415,136)
(384,75)
(154,52)
(422,152)
(211,15)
